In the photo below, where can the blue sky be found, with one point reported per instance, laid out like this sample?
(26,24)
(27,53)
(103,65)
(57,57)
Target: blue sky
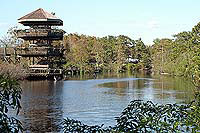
(146,19)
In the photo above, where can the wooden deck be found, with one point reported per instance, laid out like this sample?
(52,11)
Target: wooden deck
(31,34)
(36,70)
(43,70)
(39,51)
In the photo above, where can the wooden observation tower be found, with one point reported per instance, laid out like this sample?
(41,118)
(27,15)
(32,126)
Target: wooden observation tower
(44,51)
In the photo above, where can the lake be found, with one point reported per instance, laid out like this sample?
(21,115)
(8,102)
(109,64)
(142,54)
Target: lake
(94,100)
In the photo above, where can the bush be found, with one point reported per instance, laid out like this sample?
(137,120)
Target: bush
(12,71)
(10,95)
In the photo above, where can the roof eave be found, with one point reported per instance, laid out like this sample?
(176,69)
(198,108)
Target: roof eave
(57,21)
(48,19)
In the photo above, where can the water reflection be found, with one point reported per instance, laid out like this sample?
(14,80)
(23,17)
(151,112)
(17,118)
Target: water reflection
(42,106)
(94,101)
(158,89)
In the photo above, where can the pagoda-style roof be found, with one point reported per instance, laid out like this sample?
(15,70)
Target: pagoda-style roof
(40,17)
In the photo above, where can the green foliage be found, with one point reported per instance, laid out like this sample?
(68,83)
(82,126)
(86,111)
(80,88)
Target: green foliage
(70,126)
(143,54)
(145,117)
(178,56)
(108,53)
(10,95)
(193,116)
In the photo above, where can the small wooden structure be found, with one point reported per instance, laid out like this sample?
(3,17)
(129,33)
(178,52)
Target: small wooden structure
(44,58)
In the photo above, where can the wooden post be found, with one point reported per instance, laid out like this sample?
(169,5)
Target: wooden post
(29,60)
(33,61)
(15,55)
(4,51)
(4,54)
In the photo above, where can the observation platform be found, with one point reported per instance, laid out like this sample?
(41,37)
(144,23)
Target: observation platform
(39,51)
(45,34)
(43,70)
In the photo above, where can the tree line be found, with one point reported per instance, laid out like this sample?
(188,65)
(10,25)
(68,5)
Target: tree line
(179,56)
(111,53)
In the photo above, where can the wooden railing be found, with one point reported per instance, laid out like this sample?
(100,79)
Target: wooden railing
(39,51)
(44,72)
(40,33)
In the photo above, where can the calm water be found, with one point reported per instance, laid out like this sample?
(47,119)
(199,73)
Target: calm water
(94,101)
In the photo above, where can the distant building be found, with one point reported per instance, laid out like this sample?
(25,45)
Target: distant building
(131,60)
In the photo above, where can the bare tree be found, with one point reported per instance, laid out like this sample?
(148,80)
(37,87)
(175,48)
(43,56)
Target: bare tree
(10,39)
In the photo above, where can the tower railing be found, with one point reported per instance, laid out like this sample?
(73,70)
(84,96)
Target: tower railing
(39,51)
(40,33)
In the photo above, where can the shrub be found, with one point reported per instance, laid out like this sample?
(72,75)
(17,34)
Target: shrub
(13,71)
(10,95)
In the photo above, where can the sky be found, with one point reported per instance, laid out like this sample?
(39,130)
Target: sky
(145,19)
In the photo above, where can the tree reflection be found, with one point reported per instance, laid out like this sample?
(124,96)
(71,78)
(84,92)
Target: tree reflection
(159,89)
(42,106)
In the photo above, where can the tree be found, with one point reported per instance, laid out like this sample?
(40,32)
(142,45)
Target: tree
(99,55)
(110,53)
(179,56)
(142,53)
(10,39)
